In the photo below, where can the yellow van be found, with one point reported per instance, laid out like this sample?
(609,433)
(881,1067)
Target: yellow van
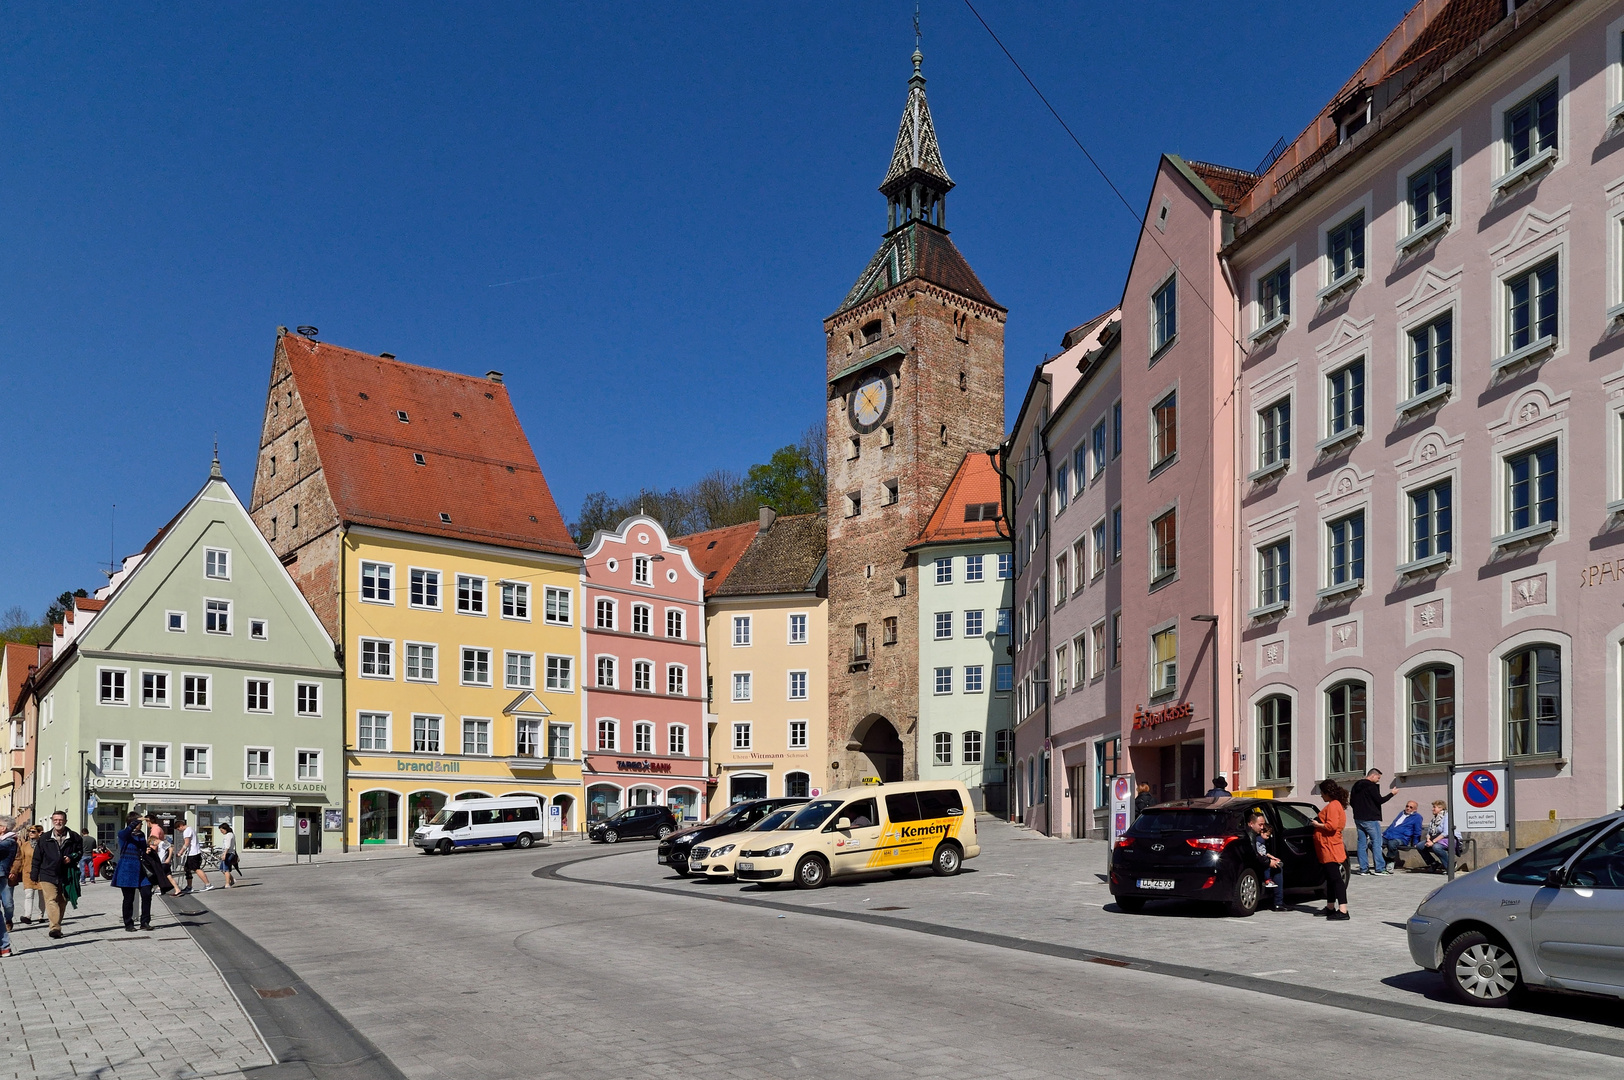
(894,827)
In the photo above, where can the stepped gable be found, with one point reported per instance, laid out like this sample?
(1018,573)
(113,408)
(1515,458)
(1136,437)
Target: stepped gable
(479,470)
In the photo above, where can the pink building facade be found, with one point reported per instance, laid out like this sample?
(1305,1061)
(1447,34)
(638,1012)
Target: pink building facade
(644,645)
(1430,536)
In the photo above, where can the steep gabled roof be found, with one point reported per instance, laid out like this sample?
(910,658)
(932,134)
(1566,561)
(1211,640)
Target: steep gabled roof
(918,250)
(716,551)
(976,484)
(19,658)
(479,470)
(784,559)
(916,150)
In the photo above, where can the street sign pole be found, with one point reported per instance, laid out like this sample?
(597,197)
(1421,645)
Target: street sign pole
(1454,826)
(1511,808)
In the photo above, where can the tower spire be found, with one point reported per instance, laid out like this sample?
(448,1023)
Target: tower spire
(916,184)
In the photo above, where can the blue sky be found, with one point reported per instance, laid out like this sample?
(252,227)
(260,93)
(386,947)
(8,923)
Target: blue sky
(639,213)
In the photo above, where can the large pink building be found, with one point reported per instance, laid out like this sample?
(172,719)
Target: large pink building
(644,635)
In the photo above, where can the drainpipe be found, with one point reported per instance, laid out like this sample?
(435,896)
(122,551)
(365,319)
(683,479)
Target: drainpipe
(1048,561)
(999,456)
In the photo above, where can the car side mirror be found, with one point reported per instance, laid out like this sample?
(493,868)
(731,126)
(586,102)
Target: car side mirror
(844,824)
(1555,879)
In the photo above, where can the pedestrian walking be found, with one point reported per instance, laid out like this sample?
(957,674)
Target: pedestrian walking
(228,854)
(1143,801)
(87,858)
(1437,847)
(33,907)
(10,874)
(192,852)
(55,866)
(1332,852)
(1259,852)
(1367,799)
(130,875)
(1220,788)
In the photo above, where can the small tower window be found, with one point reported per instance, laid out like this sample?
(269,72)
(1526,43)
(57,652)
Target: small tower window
(273,464)
(400,414)
(887,435)
(890,493)
(964,381)
(944,434)
(871,332)
(856,448)
(418,459)
(295,449)
(445,518)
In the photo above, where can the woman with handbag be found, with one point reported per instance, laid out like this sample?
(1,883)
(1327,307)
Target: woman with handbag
(1331,850)
(33,901)
(228,854)
(131,873)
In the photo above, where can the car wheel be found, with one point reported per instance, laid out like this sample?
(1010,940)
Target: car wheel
(525,840)
(443,847)
(1133,905)
(681,871)
(1347,876)
(811,873)
(610,836)
(664,831)
(1481,970)
(1247,892)
(947,861)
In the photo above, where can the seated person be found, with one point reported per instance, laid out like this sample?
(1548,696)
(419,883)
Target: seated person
(1436,850)
(1404,833)
(1258,851)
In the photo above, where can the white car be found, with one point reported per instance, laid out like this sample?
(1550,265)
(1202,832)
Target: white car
(714,858)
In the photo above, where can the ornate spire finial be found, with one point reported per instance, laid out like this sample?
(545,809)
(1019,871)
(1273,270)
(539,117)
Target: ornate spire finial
(214,469)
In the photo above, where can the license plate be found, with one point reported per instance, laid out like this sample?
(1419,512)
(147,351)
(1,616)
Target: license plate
(745,866)
(1155,883)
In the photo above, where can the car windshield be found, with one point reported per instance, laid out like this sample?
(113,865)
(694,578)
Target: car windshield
(441,818)
(813,814)
(1182,821)
(1533,867)
(775,819)
(730,815)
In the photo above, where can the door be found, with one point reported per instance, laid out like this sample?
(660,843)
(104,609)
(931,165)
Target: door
(1192,770)
(855,847)
(1294,831)
(459,828)
(311,814)
(1579,929)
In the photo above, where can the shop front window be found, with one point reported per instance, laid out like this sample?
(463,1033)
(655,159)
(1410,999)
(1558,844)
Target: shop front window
(421,806)
(380,818)
(259,827)
(683,803)
(601,801)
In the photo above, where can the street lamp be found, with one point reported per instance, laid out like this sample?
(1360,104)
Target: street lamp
(1213,619)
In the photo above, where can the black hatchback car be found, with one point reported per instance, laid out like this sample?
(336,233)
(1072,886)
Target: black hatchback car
(736,818)
(633,823)
(1190,849)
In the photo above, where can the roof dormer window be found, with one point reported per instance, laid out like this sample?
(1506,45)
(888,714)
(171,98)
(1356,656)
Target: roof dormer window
(418,459)
(445,518)
(400,414)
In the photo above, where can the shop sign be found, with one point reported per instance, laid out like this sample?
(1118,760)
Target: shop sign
(144,783)
(643,766)
(1604,571)
(427,766)
(1156,717)
(272,785)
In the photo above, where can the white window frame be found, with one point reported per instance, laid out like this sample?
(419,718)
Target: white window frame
(743,736)
(643,571)
(483,594)
(321,763)
(944,570)
(979,684)
(642,730)
(676,740)
(388,731)
(806,685)
(259,629)
(462,731)
(518,587)
(388,568)
(1409,237)
(642,666)
(208,691)
(566,743)
(555,598)
(231,620)
(462,659)
(210,551)
(681,672)
(107,770)
(123,701)
(433,730)
(980,621)
(1156,687)
(1505,176)
(612,726)
(938,673)
(746,624)
(299,710)
(507,681)
(748,685)
(1261,330)
(682,624)
(597,671)
(360,651)
(270,762)
(567,685)
(208,752)
(613,607)
(806,628)
(941,625)
(975,568)
(406,648)
(168,622)
(938,740)
(647,611)
(270,695)
(169,758)
(1330,290)
(168,698)
(439,589)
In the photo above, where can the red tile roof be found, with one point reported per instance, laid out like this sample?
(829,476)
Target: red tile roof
(1230,185)
(717,551)
(88,603)
(18,660)
(480,470)
(975,484)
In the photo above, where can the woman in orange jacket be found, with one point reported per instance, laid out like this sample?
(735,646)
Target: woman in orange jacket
(1332,852)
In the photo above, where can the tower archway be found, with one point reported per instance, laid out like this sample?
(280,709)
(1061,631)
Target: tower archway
(879,750)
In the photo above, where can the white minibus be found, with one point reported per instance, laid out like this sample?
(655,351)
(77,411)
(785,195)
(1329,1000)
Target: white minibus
(511,820)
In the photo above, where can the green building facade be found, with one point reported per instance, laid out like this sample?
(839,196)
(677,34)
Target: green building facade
(205,684)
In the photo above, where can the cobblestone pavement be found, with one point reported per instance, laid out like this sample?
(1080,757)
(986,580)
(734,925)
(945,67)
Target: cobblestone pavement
(481,965)
(100,1002)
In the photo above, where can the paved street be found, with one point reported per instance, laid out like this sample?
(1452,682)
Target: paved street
(523,964)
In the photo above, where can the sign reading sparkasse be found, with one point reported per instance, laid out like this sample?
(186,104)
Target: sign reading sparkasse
(1164,715)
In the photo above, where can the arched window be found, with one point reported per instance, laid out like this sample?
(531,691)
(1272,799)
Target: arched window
(1432,715)
(606,671)
(1274,739)
(1345,736)
(797,785)
(1534,701)
(643,737)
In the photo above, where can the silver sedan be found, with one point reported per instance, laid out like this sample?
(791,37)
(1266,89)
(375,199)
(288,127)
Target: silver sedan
(1551,916)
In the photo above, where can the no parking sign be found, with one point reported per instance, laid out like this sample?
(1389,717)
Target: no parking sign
(1481,797)
(1122,789)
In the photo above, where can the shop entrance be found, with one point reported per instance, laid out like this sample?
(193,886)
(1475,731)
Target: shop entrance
(420,807)
(380,818)
(1183,771)
(746,787)
(311,814)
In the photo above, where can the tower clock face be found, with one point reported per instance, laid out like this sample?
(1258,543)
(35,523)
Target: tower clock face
(870,403)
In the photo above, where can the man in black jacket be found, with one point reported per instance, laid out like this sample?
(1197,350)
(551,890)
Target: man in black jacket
(1367,799)
(55,856)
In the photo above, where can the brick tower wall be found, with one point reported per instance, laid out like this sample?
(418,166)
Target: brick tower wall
(937,418)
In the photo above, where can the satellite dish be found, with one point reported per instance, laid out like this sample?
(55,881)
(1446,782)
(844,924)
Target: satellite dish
(309,332)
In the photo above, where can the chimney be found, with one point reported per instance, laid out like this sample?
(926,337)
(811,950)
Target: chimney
(494,376)
(765,517)
(387,355)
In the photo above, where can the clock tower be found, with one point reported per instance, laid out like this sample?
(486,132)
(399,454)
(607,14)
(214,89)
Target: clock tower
(915,382)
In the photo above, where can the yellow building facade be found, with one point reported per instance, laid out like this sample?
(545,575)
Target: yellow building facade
(462,679)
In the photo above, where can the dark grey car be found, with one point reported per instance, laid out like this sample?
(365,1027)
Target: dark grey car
(1551,916)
